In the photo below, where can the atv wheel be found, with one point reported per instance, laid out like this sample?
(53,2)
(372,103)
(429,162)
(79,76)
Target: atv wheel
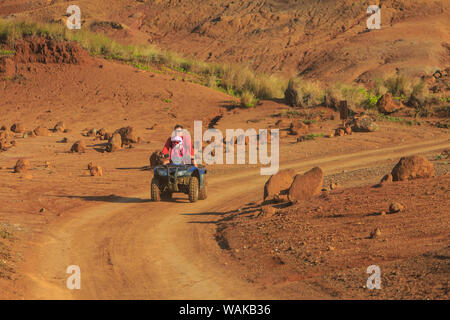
(155,193)
(167,195)
(193,189)
(203,194)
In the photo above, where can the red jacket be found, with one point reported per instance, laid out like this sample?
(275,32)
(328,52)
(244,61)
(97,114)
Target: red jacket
(186,141)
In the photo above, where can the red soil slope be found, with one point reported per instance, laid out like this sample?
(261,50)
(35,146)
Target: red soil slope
(325,40)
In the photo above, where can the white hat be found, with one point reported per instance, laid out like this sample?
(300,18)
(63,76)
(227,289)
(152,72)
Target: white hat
(177,139)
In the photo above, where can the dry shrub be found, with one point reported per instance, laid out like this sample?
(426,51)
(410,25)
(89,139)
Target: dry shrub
(248,99)
(306,93)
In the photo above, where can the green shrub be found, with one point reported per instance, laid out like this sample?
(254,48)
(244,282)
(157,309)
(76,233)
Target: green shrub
(248,99)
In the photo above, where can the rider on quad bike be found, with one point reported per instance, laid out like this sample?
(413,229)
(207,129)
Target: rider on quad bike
(178,173)
(178,149)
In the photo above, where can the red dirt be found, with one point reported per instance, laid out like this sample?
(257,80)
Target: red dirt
(57,214)
(326,241)
(326,41)
(50,51)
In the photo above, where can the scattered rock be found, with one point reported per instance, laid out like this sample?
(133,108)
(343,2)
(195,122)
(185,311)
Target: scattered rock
(382,213)
(102,132)
(91,132)
(413,167)
(395,207)
(59,127)
(386,179)
(348,130)
(339,132)
(22,165)
(375,233)
(364,124)
(388,105)
(29,134)
(5,143)
(96,171)
(333,186)
(107,136)
(281,198)
(268,211)
(115,143)
(128,135)
(278,183)
(298,128)
(306,185)
(18,128)
(78,147)
(90,165)
(42,132)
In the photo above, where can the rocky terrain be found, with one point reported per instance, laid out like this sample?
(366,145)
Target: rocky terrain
(79,126)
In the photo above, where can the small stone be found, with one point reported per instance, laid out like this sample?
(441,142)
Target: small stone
(396,207)
(375,233)
(42,210)
(96,171)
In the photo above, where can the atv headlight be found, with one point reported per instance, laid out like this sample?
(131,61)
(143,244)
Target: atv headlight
(162,172)
(181,173)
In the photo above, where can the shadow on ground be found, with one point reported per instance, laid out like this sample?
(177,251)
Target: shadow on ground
(110,198)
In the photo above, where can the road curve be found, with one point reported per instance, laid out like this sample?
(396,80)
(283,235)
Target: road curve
(131,248)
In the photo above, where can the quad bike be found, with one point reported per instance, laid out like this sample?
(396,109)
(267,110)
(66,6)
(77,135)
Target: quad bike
(185,178)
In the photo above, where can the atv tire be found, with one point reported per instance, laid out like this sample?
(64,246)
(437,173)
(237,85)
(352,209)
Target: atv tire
(203,194)
(167,196)
(193,189)
(155,193)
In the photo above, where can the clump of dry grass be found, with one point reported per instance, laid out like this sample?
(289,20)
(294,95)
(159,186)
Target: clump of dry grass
(234,79)
(304,93)
(354,95)
(248,99)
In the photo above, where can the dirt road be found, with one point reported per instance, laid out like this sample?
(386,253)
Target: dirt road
(130,248)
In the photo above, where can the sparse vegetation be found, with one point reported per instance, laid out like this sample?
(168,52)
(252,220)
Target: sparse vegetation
(238,81)
(307,93)
(248,99)
(234,79)
(313,136)
(4,52)
(383,117)
(5,234)
(354,95)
